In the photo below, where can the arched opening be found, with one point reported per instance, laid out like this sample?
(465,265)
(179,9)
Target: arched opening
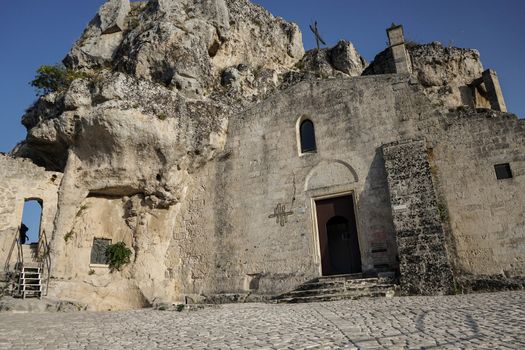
(31,221)
(307,136)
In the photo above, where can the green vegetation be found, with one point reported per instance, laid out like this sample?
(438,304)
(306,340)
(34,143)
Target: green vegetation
(56,78)
(118,255)
(443,212)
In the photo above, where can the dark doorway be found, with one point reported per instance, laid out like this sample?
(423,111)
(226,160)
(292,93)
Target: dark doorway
(338,238)
(31,219)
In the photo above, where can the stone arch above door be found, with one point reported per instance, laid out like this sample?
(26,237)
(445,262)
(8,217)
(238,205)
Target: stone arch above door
(330,173)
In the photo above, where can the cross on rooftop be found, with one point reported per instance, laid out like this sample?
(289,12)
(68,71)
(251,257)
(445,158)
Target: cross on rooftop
(317,35)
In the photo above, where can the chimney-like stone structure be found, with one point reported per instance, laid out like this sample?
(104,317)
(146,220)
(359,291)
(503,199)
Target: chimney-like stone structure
(494,92)
(396,40)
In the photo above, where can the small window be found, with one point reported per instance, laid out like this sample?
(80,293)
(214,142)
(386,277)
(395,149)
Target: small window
(503,171)
(98,251)
(307,132)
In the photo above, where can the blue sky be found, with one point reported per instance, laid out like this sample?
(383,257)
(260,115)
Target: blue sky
(35,32)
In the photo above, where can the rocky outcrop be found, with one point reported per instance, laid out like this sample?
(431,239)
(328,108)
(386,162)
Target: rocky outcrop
(185,45)
(113,15)
(340,60)
(448,74)
(161,81)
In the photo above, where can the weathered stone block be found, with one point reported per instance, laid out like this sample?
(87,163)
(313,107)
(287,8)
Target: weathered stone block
(424,264)
(113,15)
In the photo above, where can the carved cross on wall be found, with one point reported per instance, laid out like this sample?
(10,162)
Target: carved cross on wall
(280,214)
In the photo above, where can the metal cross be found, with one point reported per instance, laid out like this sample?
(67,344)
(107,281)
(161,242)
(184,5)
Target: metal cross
(318,38)
(280,214)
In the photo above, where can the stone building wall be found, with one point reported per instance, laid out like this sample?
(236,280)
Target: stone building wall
(261,167)
(424,261)
(22,180)
(486,215)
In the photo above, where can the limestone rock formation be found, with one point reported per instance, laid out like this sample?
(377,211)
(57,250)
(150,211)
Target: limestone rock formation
(340,60)
(113,15)
(163,79)
(446,72)
(186,44)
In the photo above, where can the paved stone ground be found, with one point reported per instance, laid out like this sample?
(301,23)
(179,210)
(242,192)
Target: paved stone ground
(482,321)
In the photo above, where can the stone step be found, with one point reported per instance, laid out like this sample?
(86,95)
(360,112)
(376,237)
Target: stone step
(346,277)
(354,290)
(334,297)
(327,283)
(350,288)
(337,288)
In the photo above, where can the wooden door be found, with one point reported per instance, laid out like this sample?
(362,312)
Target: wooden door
(338,239)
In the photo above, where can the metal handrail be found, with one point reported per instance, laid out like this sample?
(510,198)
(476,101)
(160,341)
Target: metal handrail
(44,257)
(20,255)
(10,254)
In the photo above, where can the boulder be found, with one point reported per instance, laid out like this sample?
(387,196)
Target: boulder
(113,15)
(346,59)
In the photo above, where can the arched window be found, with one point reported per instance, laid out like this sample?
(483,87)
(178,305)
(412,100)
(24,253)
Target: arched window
(307,133)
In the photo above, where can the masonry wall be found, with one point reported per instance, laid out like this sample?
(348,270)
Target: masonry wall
(486,215)
(424,261)
(261,168)
(21,180)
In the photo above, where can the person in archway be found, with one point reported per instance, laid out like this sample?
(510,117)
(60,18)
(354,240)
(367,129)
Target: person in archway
(23,233)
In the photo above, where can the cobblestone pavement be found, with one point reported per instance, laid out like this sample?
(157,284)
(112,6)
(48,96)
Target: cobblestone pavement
(482,321)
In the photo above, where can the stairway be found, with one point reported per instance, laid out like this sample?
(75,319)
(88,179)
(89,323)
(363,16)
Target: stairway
(331,288)
(28,279)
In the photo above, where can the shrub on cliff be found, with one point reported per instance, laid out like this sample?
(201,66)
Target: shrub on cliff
(54,78)
(118,255)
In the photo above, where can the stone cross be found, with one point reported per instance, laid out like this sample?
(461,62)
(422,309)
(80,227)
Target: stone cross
(280,214)
(318,38)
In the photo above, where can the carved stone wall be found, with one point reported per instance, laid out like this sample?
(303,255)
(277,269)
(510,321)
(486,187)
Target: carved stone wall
(424,263)
(21,180)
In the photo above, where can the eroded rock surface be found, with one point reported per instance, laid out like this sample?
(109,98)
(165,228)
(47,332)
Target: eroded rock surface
(446,72)
(186,44)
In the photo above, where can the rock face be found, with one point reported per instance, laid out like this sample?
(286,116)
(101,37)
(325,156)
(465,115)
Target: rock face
(346,59)
(449,74)
(340,60)
(446,72)
(113,16)
(163,78)
(186,44)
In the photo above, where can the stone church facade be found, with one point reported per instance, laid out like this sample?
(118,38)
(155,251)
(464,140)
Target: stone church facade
(267,176)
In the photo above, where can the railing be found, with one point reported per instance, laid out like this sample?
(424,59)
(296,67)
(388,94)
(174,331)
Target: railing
(11,273)
(19,253)
(44,258)
(7,265)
